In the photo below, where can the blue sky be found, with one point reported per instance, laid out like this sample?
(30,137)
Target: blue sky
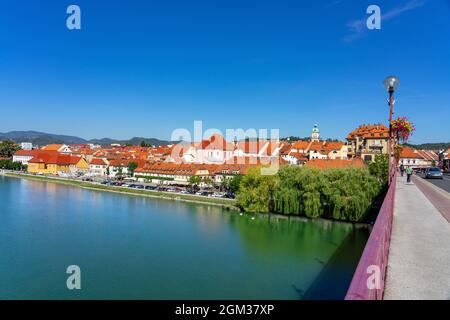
(145,68)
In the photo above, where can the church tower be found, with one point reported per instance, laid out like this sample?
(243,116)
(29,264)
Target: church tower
(315,136)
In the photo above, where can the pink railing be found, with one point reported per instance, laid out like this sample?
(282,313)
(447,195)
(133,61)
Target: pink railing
(375,255)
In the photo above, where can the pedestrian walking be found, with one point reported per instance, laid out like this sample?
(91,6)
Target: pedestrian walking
(409,173)
(402,169)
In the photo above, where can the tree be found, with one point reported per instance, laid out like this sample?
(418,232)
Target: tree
(131,167)
(234,183)
(341,194)
(10,165)
(208,181)
(143,144)
(8,148)
(256,191)
(194,181)
(380,167)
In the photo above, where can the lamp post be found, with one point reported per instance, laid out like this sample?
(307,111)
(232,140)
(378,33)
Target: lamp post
(391,83)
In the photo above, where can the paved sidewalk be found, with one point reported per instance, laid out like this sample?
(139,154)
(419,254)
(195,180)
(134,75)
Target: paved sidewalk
(419,256)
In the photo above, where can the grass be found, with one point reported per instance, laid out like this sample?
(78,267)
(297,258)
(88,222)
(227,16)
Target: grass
(227,203)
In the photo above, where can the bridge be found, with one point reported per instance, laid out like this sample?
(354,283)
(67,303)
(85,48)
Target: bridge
(407,255)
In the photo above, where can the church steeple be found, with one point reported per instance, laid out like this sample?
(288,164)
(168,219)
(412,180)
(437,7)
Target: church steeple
(315,135)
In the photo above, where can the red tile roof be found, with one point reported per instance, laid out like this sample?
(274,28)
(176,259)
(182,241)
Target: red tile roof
(335,163)
(409,153)
(53,157)
(26,152)
(52,147)
(98,161)
(373,131)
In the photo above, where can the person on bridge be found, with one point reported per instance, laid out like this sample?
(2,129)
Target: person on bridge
(409,172)
(402,169)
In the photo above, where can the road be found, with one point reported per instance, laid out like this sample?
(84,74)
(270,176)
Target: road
(443,184)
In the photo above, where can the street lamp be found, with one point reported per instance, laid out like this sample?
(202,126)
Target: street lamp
(390,84)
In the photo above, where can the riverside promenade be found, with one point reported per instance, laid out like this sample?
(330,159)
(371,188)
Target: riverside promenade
(419,256)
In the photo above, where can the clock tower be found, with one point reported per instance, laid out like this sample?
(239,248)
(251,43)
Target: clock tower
(315,135)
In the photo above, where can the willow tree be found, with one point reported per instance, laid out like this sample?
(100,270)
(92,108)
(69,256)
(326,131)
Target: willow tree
(256,191)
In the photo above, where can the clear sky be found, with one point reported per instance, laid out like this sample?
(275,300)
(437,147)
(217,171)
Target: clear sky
(145,68)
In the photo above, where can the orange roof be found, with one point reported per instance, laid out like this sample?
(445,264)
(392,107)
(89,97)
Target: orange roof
(372,131)
(215,142)
(52,147)
(299,156)
(301,145)
(335,163)
(169,168)
(409,153)
(53,157)
(98,161)
(74,160)
(428,155)
(25,152)
(285,148)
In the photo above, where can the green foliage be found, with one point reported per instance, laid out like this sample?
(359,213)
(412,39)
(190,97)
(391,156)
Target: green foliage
(341,194)
(10,165)
(195,180)
(430,146)
(380,167)
(234,183)
(8,148)
(131,167)
(256,190)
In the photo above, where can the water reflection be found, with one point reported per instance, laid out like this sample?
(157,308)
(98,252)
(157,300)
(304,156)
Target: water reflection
(154,248)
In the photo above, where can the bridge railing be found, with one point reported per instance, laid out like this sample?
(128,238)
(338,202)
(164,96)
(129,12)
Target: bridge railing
(369,278)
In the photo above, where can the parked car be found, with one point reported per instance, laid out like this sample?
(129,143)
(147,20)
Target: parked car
(217,195)
(229,195)
(434,173)
(150,187)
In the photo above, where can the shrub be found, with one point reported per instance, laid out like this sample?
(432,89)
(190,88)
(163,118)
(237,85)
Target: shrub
(341,194)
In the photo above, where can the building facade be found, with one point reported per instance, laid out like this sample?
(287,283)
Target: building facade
(368,141)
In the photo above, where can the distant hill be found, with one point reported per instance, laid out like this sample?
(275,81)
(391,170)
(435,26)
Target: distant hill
(42,138)
(431,146)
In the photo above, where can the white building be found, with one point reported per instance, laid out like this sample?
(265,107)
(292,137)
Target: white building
(26,146)
(23,156)
(98,167)
(216,150)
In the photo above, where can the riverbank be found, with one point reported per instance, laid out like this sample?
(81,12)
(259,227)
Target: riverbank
(229,204)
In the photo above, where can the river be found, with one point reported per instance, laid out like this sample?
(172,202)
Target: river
(131,247)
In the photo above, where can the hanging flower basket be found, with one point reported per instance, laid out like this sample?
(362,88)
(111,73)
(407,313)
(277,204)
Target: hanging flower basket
(402,128)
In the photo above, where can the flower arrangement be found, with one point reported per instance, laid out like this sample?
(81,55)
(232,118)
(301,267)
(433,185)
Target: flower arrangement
(402,128)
